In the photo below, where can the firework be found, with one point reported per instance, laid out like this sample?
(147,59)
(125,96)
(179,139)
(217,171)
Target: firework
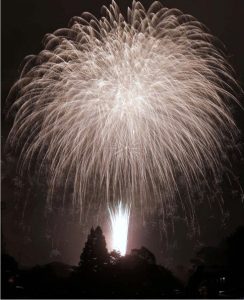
(119,218)
(122,107)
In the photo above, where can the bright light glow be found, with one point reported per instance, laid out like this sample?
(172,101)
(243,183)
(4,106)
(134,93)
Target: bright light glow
(119,217)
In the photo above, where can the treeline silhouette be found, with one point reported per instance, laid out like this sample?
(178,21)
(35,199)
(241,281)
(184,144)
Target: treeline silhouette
(216,273)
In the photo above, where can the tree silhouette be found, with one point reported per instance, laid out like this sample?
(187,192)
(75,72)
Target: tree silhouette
(145,255)
(229,252)
(95,254)
(219,268)
(114,257)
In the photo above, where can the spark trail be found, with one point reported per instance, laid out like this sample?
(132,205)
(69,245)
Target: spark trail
(123,106)
(119,218)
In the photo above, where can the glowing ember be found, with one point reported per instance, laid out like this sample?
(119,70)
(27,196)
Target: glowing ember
(119,217)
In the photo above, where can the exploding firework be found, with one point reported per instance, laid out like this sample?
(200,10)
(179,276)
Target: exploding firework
(119,217)
(122,107)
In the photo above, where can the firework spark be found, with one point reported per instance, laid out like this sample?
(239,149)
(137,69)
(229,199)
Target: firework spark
(119,217)
(124,106)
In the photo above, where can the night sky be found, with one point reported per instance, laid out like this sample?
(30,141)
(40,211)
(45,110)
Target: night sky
(35,235)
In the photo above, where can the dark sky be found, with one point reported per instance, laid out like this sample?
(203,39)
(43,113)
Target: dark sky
(24,23)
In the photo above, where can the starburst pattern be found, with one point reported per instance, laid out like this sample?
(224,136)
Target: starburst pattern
(122,106)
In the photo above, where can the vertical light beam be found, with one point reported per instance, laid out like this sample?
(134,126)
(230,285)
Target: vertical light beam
(119,218)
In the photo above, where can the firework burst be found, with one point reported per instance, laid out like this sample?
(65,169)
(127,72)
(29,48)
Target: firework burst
(123,106)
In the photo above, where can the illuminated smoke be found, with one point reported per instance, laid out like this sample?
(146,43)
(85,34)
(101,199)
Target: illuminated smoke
(122,107)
